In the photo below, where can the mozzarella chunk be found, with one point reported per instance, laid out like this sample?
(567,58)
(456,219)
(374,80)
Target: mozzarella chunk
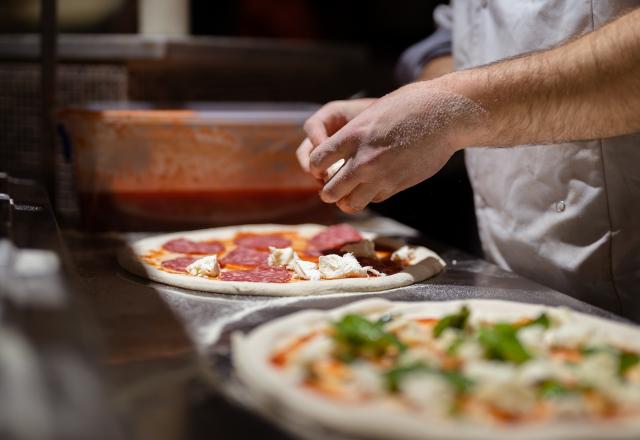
(405,255)
(366,379)
(429,392)
(330,266)
(372,271)
(422,354)
(490,371)
(411,331)
(569,335)
(333,169)
(470,351)
(628,394)
(281,256)
(499,384)
(533,339)
(335,266)
(205,267)
(286,257)
(571,406)
(363,248)
(598,370)
(446,339)
(539,370)
(304,270)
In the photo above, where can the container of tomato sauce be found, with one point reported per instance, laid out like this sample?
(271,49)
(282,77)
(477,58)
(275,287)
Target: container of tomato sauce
(138,167)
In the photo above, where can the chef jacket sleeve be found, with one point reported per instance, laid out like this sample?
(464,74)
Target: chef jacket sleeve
(413,60)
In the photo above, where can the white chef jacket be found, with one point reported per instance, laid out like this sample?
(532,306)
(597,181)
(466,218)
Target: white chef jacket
(566,215)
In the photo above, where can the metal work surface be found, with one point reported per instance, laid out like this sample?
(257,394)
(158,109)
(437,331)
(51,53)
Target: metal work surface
(183,335)
(204,315)
(163,353)
(50,383)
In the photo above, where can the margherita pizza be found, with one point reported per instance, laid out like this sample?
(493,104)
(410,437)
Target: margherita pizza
(279,260)
(476,369)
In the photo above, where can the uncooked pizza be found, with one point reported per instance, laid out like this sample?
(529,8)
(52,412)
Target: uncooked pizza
(280,260)
(476,369)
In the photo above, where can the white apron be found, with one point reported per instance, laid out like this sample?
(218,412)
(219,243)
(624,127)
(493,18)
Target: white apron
(568,215)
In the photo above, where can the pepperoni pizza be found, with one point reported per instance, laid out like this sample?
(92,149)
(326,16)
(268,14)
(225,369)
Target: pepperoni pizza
(280,260)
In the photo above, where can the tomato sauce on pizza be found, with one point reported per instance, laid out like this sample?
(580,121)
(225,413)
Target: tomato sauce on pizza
(244,256)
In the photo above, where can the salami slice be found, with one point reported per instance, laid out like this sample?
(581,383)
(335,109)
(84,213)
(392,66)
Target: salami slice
(259,275)
(185,246)
(262,242)
(311,252)
(178,264)
(334,237)
(246,257)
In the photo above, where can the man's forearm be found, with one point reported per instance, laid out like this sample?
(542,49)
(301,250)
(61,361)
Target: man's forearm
(436,68)
(587,88)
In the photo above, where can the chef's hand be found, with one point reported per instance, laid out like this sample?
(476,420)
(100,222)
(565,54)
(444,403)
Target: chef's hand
(325,122)
(398,141)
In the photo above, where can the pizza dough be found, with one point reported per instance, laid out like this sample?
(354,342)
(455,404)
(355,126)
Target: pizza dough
(287,396)
(425,265)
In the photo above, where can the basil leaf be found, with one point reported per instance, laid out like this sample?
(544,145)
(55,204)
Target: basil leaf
(627,360)
(357,336)
(394,376)
(457,320)
(462,384)
(542,320)
(552,388)
(455,345)
(500,342)
(588,351)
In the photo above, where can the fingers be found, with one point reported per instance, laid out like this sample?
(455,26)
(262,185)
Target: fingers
(385,192)
(303,152)
(324,123)
(359,198)
(329,152)
(340,185)
(332,117)
(315,127)
(381,197)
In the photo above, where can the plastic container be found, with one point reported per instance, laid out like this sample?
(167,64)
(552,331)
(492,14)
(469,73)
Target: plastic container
(139,168)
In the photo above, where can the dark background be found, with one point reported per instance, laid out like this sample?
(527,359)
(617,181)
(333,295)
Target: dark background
(441,207)
(384,27)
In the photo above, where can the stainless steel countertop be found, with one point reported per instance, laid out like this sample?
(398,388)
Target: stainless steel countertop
(122,357)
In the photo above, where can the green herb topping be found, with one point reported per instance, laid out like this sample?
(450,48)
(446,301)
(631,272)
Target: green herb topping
(500,342)
(395,375)
(456,321)
(356,336)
